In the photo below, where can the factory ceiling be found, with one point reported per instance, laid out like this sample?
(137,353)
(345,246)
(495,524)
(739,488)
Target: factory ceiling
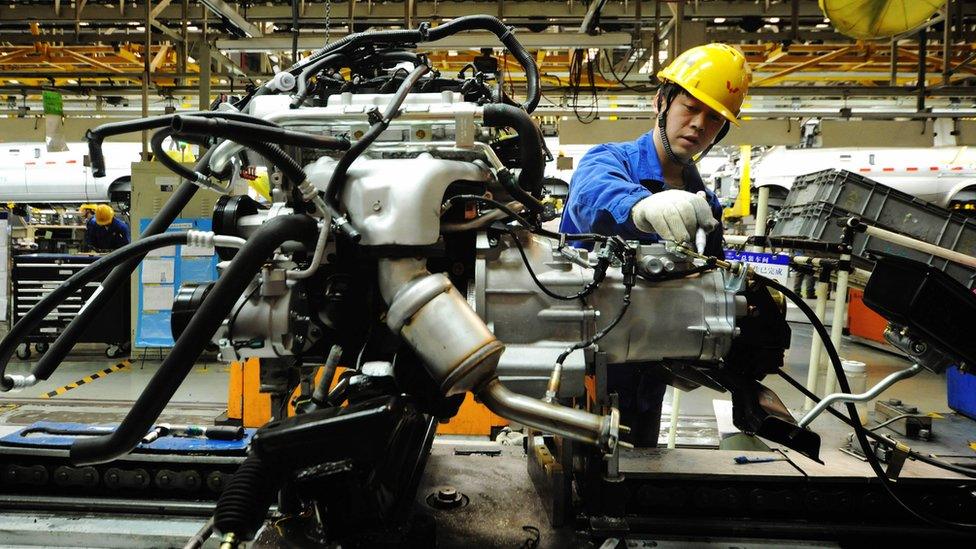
(107,47)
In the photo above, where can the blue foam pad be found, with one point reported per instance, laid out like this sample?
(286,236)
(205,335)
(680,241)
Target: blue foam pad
(167,444)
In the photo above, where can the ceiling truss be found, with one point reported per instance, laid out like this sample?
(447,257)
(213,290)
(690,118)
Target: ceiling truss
(103,46)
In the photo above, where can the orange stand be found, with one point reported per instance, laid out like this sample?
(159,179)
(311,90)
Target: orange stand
(473,418)
(252,408)
(862,321)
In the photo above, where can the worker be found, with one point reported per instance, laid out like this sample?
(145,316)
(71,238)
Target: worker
(104,231)
(649,189)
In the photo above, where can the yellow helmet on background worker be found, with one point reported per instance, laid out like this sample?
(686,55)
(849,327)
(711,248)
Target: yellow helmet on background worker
(715,74)
(87,208)
(104,214)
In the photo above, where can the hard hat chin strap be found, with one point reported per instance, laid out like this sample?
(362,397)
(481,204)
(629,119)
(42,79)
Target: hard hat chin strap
(663,134)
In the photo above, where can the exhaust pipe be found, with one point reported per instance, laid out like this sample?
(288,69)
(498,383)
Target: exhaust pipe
(461,353)
(601,431)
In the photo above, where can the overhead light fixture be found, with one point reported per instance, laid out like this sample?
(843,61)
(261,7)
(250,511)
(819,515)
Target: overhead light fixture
(718,20)
(14,81)
(774,20)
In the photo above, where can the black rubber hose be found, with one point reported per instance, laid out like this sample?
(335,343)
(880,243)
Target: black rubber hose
(201,327)
(97,135)
(232,129)
(244,502)
(494,25)
(301,92)
(156,144)
(338,179)
(352,41)
(50,360)
(460,24)
(277,156)
(531,156)
(29,322)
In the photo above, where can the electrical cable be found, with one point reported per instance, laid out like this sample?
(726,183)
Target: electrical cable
(859,430)
(587,290)
(629,279)
(581,237)
(602,333)
(626,74)
(576,83)
(333,189)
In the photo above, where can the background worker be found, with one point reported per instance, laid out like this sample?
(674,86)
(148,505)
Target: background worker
(649,189)
(104,231)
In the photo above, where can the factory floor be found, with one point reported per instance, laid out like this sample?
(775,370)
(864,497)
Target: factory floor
(202,398)
(203,395)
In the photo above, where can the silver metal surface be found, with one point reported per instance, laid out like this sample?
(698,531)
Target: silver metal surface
(863,397)
(397,201)
(689,318)
(261,318)
(573,423)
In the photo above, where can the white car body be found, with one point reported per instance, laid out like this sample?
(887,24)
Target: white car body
(29,173)
(945,176)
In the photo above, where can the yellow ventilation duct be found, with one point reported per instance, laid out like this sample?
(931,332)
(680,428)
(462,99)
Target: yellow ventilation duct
(869,19)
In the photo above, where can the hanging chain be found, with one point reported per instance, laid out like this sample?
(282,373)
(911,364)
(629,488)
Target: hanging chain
(328,20)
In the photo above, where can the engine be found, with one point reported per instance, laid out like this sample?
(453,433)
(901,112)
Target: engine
(408,240)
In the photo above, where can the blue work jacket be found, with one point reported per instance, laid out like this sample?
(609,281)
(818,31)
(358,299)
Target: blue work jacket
(611,178)
(109,237)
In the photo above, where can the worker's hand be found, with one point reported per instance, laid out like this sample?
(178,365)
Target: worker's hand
(674,215)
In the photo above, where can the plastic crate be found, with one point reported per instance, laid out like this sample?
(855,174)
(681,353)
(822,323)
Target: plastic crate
(817,198)
(886,207)
(961,392)
(816,222)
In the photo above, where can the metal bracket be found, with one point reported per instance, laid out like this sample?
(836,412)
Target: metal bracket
(464,128)
(739,275)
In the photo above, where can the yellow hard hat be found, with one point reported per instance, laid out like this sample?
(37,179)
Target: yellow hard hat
(87,207)
(715,74)
(104,214)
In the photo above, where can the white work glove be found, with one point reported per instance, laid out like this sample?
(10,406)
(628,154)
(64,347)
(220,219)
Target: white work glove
(674,215)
